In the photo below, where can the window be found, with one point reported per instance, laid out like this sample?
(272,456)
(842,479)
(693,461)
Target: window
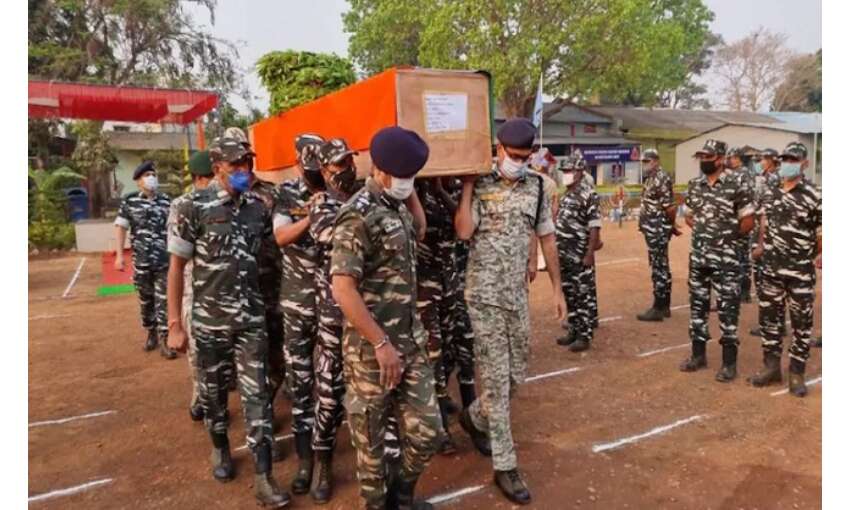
(123,129)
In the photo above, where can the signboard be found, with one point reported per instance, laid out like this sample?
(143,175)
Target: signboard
(608,154)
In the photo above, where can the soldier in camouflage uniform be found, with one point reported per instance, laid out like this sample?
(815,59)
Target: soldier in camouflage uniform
(221,230)
(298,297)
(385,359)
(658,224)
(735,163)
(577,233)
(201,169)
(144,214)
(719,208)
(593,303)
(501,213)
(790,249)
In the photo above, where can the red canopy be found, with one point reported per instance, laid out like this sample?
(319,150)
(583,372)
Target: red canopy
(129,104)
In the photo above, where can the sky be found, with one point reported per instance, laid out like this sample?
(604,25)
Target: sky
(260,26)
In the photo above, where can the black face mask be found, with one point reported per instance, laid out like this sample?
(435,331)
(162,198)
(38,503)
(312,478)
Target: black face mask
(344,180)
(314,180)
(707,167)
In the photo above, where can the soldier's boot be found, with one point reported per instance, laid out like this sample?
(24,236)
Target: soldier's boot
(447,444)
(567,339)
(277,451)
(222,463)
(166,351)
(467,394)
(196,410)
(817,343)
(797,378)
(266,490)
(479,439)
(451,406)
(150,343)
(697,359)
(581,344)
(304,475)
(323,488)
(512,486)
(771,373)
(664,306)
(728,371)
(653,313)
(402,492)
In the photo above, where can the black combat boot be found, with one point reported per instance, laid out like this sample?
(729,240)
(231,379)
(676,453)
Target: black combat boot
(467,394)
(323,488)
(266,489)
(818,343)
(150,343)
(222,463)
(166,351)
(512,486)
(579,345)
(664,306)
(697,359)
(797,378)
(447,444)
(653,313)
(304,475)
(771,373)
(196,410)
(277,451)
(728,371)
(401,493)
(568,338)
(479,439)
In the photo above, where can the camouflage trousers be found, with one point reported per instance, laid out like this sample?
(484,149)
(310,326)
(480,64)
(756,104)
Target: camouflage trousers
(431,306)
(798,288)
(277,363)
(368,405)
(593,301)
(217,351)
(151,286)
(461,351)
(192,350)
(330,385)
(300,328)
(501,353)
(576,282)
(726,282)
(743,251)
(657,244)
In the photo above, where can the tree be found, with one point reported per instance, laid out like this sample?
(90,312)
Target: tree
(691,95)
(751,69)
(617,49)
(46,199)
(95,158)
(800,89)
(293,78)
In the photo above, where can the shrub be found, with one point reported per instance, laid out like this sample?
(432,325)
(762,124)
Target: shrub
(50,235)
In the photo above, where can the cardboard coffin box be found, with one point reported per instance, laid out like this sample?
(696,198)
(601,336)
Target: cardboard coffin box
(451,111)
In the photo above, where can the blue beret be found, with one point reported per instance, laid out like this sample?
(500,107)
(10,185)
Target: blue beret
(144,167)
(517,133)
(398,151)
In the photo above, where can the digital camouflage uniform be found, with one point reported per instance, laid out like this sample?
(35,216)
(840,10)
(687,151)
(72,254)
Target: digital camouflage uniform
(714,262)
(656,198)
(762,183)
(298,302)
(503,214)
(790,247)
(374,243)
(145,219)
(222,236)
(593,304)
(578,212)
(742,245)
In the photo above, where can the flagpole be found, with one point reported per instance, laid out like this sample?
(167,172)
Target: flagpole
(542,109)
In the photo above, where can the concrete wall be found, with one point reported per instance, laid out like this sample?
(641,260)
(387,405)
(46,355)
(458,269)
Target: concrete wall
(687,167)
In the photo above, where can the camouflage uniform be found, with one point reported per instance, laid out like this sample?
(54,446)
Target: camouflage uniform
(578,212)
(145,219)
(656,198)
(497,298)
(222,236)
(742,245)
(714,261)
(593,303)
(374,242)
(763,183)
(790,246)
(298,301)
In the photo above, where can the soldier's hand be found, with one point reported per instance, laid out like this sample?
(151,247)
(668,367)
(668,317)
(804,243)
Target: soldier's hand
(758,251)
(560,306)
(589,259)
(677,231)
(819,262)
(119,263)
(390,364)
(531,270)
(177,338)
(598,246)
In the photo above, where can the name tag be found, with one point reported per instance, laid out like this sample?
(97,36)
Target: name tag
(392,224)
(494,197)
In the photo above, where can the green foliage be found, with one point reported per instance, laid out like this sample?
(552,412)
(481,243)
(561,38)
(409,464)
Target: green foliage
(170,169)
(294,78)
(47,202)
(225,116)
(51,235)
(95,159)
(623,50)
(801,90)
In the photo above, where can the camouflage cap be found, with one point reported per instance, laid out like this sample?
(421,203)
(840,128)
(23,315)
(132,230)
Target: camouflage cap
(735,151)
(649,154)
(200,164)
(712,148)
(229,149)
(769,154)
(335,151)
(307,148)
(236,134)
(795,150)
(572,162)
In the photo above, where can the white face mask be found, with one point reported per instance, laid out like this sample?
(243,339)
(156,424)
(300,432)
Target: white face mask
(569,178)
(400,188)
(150,182)
(512,170)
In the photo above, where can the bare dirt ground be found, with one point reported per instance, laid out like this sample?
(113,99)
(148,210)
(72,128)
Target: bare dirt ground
(748,448)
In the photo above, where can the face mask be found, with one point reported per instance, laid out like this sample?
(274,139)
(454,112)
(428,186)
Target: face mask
(239,180)
(569,178)
(150,182)
(314,179)
(757,168)
(400,188)
(512,170)
(790,170)
(344,180)
(707,167)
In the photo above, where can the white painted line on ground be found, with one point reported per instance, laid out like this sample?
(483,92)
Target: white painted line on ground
(68,491)
(679,307)
(659,351)
(808,383)
(71,418)
(654,432)
(442,498)
(609,319)
(620,261)
(553,374)
(47,316)
(74,278)
(277,438)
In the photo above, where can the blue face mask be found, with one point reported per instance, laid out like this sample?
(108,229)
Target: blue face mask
(239,181)
(789,170)
(757,168)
